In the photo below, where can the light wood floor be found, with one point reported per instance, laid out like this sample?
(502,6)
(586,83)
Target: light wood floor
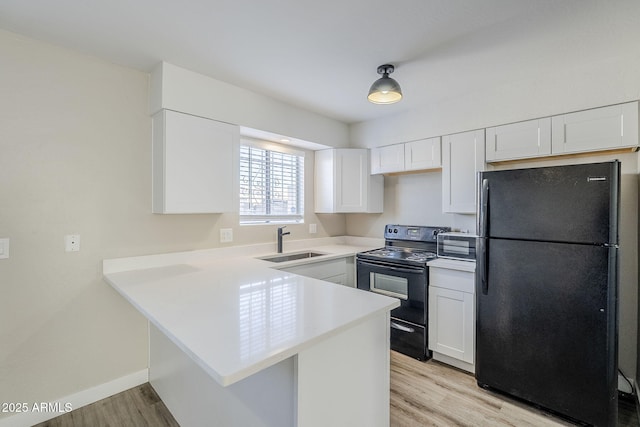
(137,407)
(434,394)
(422,394)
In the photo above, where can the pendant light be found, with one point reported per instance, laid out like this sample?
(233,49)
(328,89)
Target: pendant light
(385,90)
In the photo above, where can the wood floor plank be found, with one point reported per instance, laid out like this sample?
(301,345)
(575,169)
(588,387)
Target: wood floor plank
(434,394)
(137,407)
(422,394)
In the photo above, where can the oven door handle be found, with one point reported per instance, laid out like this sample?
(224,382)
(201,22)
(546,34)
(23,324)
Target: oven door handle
(416,270)
(399,327)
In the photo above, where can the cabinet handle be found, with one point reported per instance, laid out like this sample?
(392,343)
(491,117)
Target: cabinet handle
(395,325)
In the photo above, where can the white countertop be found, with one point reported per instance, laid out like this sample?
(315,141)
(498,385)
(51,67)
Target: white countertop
(236,315)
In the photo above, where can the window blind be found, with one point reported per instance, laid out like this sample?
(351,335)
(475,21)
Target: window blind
(271,185)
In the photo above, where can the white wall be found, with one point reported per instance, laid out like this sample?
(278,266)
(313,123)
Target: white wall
(178,89)
(75,157)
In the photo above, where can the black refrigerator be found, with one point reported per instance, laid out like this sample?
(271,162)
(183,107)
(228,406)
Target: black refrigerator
(547,287)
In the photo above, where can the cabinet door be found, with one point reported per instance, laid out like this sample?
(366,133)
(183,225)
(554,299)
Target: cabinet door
(351,173)
(387,159)
(519,140)
(451,323)
(356,189)
(193,164)
(462,158)
(343,183)
(325,181)
(323,270)
(598,129)
(422,154)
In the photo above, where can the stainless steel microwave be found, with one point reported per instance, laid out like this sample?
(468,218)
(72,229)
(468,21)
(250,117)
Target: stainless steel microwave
(457,246)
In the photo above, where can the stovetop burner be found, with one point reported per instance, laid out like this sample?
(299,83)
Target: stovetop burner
(400,254)
(406,245)
(420,256)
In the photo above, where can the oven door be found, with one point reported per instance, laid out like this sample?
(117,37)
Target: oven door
(407,283)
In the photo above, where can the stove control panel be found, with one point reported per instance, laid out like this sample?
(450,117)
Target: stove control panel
(413,232)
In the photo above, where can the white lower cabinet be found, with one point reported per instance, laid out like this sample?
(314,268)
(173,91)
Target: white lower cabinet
(340,270)
(452,312)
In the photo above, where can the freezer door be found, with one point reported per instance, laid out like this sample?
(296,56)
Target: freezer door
(575,203)
(546,327)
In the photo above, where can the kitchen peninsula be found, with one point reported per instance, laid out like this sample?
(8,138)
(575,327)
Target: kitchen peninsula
(235,342)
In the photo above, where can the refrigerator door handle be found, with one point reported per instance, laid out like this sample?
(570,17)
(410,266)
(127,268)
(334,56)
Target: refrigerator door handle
(483,265)
(483,242)
(484,209)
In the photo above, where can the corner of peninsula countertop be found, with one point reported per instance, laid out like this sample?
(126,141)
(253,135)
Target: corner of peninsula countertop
(235,314)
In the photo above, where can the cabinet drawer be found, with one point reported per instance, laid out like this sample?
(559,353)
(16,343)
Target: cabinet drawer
(456,280)
(325,270)
(340,279)
(410,339)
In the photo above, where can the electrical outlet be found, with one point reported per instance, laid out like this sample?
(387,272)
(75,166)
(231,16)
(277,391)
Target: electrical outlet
(72,243)
(4,248)
(226,235)
(313,228)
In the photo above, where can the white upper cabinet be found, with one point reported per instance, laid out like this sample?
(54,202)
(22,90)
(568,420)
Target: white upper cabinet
(409,156)
(519,140)
(194,164)
(422,154)
(599,129)
(463,157)
(387,159)
(344,184)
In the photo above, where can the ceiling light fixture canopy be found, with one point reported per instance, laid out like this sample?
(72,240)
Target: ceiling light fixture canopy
(385,90)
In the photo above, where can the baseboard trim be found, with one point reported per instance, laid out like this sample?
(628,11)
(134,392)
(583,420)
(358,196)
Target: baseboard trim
(76,400)
(469,367)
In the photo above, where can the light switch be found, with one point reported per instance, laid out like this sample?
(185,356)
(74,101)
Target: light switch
(4,248)
(313,228)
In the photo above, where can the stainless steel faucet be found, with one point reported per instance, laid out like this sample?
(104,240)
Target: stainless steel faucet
(280,234)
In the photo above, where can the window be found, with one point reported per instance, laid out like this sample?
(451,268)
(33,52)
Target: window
(271,184)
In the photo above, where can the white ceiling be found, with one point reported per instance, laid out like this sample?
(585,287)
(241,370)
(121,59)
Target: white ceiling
(322,55)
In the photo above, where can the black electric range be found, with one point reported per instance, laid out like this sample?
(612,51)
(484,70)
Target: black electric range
(400,270)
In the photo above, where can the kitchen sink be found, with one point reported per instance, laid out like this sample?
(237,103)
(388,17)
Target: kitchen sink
(291,257)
